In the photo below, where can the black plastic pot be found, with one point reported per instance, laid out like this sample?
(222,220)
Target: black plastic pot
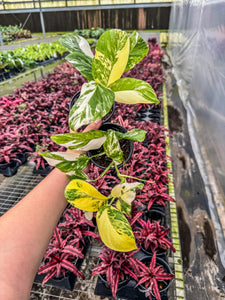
(163,263)
(106,118)
(9,169)
(129,290)
(115,127)
(65,283)
(43,172)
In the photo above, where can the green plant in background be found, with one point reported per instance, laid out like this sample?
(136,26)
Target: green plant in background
(116,53)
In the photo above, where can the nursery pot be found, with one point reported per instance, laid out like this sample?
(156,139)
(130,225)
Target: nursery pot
(155,214)
(103,161)
(106,118)
(120,284)
(9,169)
(163,290)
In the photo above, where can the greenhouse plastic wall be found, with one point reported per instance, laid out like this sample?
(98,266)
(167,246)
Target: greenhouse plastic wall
(197,52)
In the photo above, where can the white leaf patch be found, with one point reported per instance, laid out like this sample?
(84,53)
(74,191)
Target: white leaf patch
(126,191)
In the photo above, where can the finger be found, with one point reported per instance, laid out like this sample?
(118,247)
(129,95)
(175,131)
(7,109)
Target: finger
(93,126)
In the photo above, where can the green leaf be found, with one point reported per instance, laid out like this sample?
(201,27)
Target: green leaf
(83,141)
(111,56)
(136,134)
(138,50)
(53,158)
(112,147)
(115,230)
(124,207)
(82,63)
(94,103)
(132,91)
(79,164)
(77,174)
(84,196)
(74,42)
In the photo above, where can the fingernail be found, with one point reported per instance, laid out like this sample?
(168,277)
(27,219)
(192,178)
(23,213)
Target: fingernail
(97,121)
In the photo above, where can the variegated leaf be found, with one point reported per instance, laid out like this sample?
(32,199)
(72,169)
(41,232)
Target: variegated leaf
(84,196)
(132,91)
(111,56)
(53,158)
(126,191)
(138,50)
(115,230)
(74,42)
(82,63)
(124,207)
(94,103)
(68,166)
(112,147)
(136,134)
(83,141)
(77,174)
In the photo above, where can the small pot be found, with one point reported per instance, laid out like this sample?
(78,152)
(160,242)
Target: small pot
(162,262)
(9,169)
(161,253)
(106,118)
(115,127)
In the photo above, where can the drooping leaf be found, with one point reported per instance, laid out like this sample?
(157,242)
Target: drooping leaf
(53,158)
(138,50)
(77,174)
(83,141)
(112,147)
(115,230)
(132,91)
(136,134)
(111,56)
(84,196)
(74,42)
(82,63)
(94,103)
(79,164)
(126,191)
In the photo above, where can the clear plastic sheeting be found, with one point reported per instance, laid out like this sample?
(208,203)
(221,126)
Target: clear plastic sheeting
(197,51)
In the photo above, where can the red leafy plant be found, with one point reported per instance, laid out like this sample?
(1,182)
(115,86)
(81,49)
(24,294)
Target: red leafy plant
(60,256)
(76,225)
(116,267)
(152,236)
(153,278)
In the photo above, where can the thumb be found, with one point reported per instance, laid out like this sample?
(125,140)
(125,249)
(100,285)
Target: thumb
(93,126)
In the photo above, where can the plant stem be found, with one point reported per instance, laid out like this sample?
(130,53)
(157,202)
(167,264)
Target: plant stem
(103,173)
(122,176)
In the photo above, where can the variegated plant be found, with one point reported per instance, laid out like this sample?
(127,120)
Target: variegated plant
(116,53)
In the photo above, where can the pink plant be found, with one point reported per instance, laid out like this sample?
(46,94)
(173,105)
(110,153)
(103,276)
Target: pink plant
(152,236)
(59,256)
(115,265)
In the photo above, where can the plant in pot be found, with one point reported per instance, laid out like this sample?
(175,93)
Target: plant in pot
(155,276)
(115,53)
(152,237)
(62,256)
(116,268)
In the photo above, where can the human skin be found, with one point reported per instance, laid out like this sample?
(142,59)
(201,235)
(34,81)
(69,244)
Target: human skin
(25,231)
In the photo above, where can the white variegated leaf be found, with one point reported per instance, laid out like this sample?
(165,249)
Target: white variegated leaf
(132,91)
(138,50)
(53,158)
(112,147)
(82,63)
(126,191)
(83,141)
(136,134)
(74,42)
(94,103)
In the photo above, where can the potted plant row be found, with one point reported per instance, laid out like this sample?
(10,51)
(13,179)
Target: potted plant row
(116,52)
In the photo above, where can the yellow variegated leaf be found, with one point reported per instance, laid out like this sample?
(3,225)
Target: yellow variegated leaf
(111,56)
(126,191)
(115,230)
(84,196)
